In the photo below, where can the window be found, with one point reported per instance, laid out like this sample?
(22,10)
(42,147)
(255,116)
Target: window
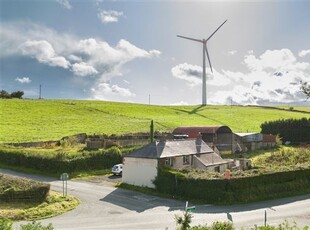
(169,161)
(217,169)
(185,160)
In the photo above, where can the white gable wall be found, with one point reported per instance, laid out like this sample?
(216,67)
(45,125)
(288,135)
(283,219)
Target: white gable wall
(139,171)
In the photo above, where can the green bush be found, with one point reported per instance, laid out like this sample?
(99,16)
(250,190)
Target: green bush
(293,130)
(36,226)
(61,161)
(6,224)
(235,190)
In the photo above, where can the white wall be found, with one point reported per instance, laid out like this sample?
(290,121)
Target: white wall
(139,171)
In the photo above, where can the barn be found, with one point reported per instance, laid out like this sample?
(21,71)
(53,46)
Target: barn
(219,136)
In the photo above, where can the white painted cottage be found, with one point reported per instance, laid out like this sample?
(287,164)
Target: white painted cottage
(141,166)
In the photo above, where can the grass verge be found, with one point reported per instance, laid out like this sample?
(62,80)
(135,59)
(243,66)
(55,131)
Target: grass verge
(53,206)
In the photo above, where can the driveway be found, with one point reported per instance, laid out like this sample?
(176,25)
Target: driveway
(106,207)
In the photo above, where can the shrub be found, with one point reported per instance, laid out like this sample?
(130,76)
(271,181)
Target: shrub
(183,222)
(6,224)
(62,161)
(293,130)
(36,226)
(236,190)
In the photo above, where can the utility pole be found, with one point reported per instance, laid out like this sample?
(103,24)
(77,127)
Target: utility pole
(149,99)
(40,92)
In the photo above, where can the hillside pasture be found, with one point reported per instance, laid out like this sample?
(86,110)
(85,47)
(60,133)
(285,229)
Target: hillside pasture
(42,120)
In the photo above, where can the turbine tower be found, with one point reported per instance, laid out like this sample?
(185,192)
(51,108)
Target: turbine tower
(204,52)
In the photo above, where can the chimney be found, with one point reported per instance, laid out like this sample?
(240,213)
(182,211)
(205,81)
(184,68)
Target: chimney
(198,142)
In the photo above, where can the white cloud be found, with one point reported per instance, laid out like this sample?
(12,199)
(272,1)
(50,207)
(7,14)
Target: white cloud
(104,91)
(74,58)
(94,56)
(274,77)
(44,53)
(155,53)
(232,52)
(83,57)
(23,80)
(109,16)
(303,53)
(65,3)
(188,72)
(273,59)
(180,103)
(82,69)
(193,75)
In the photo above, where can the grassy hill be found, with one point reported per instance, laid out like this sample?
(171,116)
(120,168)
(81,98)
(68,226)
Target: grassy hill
(36,120)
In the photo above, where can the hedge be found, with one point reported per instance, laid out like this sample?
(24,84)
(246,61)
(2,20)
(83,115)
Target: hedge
(293,130)
(59,164)
(14,189)
(236,190)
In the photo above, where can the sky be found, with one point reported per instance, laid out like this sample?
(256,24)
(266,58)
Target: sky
(128,51)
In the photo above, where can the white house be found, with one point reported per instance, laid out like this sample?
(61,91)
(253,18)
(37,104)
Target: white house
(141,166)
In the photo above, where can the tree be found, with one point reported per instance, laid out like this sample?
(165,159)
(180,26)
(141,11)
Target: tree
(152,131)
(305,88)
(17,94)
(4,94)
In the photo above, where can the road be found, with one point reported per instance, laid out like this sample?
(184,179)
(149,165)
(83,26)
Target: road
(106,207)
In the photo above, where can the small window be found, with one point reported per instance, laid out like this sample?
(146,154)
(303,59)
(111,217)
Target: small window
(169,161)
(185,160)
(217,169)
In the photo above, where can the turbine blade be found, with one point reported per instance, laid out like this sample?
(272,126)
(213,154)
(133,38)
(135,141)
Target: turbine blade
(209,59)
(193,39)
(216,30)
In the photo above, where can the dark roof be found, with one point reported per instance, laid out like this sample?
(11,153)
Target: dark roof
(171,148)
(193,131)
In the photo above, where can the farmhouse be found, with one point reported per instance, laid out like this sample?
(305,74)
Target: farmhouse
(141,166)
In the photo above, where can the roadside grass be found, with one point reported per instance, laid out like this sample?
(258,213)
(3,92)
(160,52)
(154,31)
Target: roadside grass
(53,206)
(53,119)
(78,174)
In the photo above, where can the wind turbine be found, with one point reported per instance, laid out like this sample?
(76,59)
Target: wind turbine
(204,52)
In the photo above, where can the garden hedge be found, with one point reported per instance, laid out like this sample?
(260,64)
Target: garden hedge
(235,190)
(58,163)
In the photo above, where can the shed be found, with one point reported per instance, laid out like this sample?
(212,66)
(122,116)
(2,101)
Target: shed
(220,136)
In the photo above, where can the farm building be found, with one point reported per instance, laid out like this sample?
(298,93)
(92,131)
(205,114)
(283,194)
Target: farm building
(218,136)
(253,141)
(140,167)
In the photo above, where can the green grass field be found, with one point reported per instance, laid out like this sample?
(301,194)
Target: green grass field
(37,120)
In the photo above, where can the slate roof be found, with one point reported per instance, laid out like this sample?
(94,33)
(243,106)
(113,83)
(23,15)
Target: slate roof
(171,148)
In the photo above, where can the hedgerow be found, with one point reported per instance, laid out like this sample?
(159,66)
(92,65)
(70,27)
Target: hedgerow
(61,161)
(235,190)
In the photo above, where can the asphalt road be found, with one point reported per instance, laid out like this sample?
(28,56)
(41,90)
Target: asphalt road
(105,207)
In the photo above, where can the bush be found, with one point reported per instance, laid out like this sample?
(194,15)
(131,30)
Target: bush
(6,224)
(36,226)
(235,190)
(293,130)
(60,162)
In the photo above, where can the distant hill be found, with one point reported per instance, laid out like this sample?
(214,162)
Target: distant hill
(37,120)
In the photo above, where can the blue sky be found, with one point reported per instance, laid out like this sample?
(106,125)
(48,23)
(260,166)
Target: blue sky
(127,50)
